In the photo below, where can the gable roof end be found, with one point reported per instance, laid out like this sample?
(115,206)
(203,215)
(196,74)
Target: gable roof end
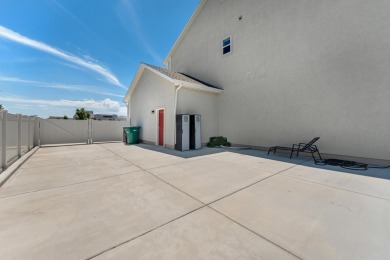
(175,78)
(185,30)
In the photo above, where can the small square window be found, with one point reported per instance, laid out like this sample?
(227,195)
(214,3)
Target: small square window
(226,43)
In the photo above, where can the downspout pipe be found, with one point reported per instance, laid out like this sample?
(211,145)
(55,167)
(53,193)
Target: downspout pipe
(174,112)
(128,112)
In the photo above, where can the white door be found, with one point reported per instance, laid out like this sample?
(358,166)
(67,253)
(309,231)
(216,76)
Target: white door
(198,136)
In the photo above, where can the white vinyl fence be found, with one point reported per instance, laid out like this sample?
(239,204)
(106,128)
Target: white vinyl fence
(16,136)
(19,134)
(107,131)
(60,131)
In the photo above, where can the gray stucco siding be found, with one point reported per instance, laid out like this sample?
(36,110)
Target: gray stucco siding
(298,69)
(152,92)
(200,103)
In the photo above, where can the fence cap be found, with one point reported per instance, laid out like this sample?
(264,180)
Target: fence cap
(3,111)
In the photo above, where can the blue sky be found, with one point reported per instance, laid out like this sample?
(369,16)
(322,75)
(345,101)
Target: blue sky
(59,55)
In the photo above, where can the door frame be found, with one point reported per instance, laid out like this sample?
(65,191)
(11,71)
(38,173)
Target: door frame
(157,111)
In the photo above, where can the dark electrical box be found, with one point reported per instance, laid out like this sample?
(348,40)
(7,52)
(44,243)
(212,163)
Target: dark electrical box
(195,133)
(182,132)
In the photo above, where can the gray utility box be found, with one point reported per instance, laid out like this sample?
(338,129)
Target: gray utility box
(195,133)
(182,132)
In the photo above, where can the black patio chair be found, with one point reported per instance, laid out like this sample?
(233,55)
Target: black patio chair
(300,148)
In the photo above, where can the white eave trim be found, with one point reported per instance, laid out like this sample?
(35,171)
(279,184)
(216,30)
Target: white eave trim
(175,82)
(184,32)
(198,87)
(137,77)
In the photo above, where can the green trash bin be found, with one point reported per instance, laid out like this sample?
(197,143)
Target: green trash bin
(131,134)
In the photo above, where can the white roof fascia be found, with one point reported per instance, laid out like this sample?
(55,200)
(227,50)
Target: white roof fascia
(175,82)
(134,83)
(198,87)
(184,32)
(160,74)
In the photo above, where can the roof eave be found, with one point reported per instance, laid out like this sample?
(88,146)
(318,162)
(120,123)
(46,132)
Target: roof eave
(134,82)
(199,87)
(185,30)
(175,82)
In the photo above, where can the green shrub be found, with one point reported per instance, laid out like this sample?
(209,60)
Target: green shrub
(217,141)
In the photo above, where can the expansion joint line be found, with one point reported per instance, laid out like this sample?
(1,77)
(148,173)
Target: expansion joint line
(145,233)
(147,171)
(256,182)
(337,188)
(204,205)
(215,210)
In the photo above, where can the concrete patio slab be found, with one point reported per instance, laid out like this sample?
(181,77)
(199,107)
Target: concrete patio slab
(162,150)
(156,162)
(203,234)
(82,220)
(144,158)
(71,155)
(311,220)
(208,179)
(78,202)
(251,158)
(53,167)
(347,180)
(46,177)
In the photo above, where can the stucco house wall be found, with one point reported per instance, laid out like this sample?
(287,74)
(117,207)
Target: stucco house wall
(200,103)
(152,92)
(298,69)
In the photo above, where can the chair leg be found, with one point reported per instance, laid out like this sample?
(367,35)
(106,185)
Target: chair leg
(299,147)
(319,154)
(271,149)
(291,153)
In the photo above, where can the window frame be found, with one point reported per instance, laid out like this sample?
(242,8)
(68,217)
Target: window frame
(227,45)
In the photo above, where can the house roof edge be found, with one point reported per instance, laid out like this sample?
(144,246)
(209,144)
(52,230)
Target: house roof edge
(184,31)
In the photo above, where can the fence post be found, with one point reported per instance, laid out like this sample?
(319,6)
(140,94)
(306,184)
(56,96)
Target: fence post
(4,139)
(87,131)
(19,136)
(33,133)
(28,134)
(34,119)
(91,132)
(39,132)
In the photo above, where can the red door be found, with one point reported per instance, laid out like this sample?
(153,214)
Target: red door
(161,127)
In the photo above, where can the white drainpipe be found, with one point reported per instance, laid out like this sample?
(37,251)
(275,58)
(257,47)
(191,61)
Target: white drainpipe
(174,113)
(128,113)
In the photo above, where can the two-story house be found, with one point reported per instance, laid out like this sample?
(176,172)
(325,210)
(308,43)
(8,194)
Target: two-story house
(265,72)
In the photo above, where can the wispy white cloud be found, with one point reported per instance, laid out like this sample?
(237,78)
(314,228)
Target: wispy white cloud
(98,106)
(130,20)
(16,37)
(79,88)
